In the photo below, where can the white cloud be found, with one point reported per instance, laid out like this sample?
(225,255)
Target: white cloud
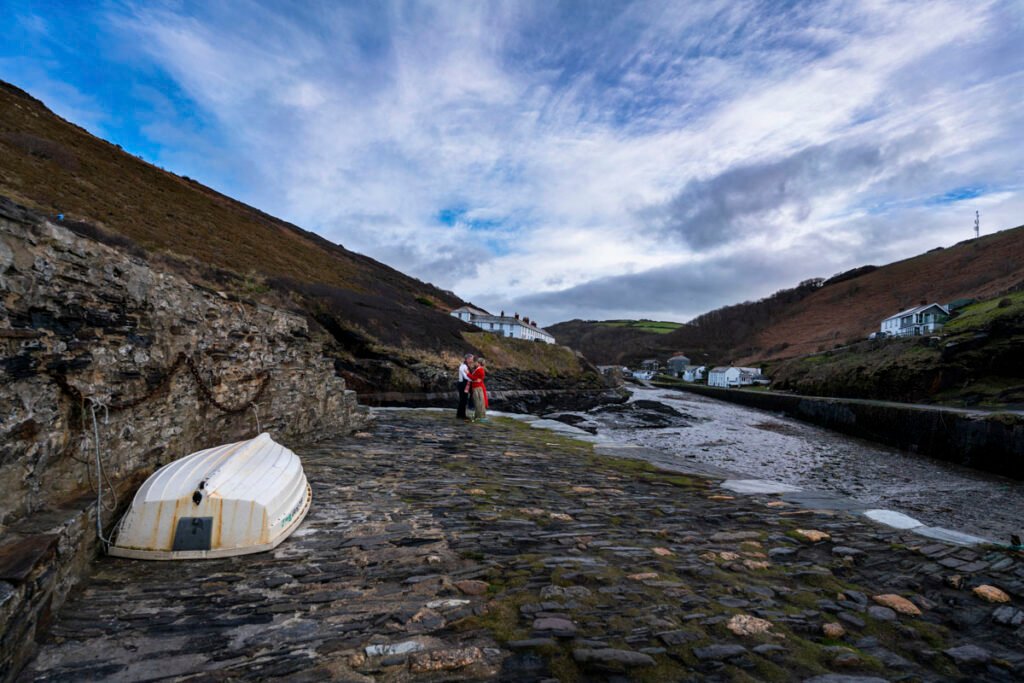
(561,132)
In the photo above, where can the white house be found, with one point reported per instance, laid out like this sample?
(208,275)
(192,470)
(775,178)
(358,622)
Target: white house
(503,325)
(693,373)
(735,377)
(919,320)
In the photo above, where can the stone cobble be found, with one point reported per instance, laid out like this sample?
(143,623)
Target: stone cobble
(438,550)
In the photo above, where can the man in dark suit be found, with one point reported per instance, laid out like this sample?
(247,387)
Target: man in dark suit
(463,386)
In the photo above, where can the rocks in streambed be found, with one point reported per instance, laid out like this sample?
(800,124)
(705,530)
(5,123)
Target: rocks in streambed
(642,414)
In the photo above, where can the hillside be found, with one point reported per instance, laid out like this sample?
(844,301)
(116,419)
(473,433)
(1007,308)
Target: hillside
(387,327)
(976,360)
(817,314)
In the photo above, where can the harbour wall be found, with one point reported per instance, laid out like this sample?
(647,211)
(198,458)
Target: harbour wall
(989,441)
(166,367)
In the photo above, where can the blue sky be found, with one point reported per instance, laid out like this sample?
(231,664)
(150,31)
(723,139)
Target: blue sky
(577,159)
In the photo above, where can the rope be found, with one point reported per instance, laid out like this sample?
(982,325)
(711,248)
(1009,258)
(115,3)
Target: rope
(101,473)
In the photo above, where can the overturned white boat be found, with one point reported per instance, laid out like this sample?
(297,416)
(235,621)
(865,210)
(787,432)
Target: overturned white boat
(240,498)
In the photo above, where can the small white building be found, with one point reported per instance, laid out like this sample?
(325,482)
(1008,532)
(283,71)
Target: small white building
(735,377)
(503,325)
(919,320)
(693,373)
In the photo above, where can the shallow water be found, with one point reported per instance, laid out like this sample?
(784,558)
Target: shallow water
(770,446)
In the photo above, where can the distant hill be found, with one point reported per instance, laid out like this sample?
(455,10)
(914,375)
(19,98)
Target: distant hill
(817,314)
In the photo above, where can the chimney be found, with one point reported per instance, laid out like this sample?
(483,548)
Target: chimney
(923,302)
(534,323)
(517,316)
(503,314)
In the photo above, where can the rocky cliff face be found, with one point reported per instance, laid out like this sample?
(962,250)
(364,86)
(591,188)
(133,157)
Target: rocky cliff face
(169,367)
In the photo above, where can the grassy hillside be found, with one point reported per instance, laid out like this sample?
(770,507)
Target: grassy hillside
(978,359)
(818,314)
(547,359)
(654,326)
(850,310)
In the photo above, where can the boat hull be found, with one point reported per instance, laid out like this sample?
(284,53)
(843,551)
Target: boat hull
(236,499)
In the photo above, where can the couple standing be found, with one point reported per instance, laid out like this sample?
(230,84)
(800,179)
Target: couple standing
(471,379)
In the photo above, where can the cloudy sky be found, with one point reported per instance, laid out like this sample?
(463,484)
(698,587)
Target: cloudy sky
(593,159)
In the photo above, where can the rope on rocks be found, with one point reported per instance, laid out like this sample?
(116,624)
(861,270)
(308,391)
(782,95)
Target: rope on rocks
(101,472)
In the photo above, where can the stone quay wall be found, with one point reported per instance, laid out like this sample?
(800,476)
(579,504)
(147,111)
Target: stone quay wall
(988,441)
(172,367)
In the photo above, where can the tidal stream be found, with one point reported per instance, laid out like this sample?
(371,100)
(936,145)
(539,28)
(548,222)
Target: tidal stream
(764,445)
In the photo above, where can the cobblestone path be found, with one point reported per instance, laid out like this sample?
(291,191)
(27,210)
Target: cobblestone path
(438,550)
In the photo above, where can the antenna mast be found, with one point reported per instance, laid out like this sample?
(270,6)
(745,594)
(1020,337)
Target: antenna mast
(977,223)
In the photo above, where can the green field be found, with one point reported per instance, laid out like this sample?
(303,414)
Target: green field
(981,315)
(655,326)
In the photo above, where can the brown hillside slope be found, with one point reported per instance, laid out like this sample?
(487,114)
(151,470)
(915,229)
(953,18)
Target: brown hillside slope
(54,166)
(850,310)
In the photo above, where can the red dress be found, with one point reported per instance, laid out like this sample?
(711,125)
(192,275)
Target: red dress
(477,382)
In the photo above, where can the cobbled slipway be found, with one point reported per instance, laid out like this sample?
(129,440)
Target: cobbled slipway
(439,550)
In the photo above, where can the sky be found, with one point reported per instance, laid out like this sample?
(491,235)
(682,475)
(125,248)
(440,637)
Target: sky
(589,160)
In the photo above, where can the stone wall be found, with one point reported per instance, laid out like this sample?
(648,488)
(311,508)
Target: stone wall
(987,441)
(81,321)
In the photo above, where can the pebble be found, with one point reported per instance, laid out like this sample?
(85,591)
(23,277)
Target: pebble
(833,630)
(444,660)
(612,656)
(1008,616)
(746,625)
(556,626)
(969,655)
(472,587)
(991,593)
(897,603)
(718,652)
(882,613)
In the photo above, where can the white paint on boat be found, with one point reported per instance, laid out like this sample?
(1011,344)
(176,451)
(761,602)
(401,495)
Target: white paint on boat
(235,499)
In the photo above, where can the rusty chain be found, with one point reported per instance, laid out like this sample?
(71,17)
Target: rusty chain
(78,399)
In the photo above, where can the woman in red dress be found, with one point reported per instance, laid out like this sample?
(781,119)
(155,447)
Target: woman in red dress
(476,379)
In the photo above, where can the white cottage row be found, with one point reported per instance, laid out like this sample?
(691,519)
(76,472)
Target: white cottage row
(504,325)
